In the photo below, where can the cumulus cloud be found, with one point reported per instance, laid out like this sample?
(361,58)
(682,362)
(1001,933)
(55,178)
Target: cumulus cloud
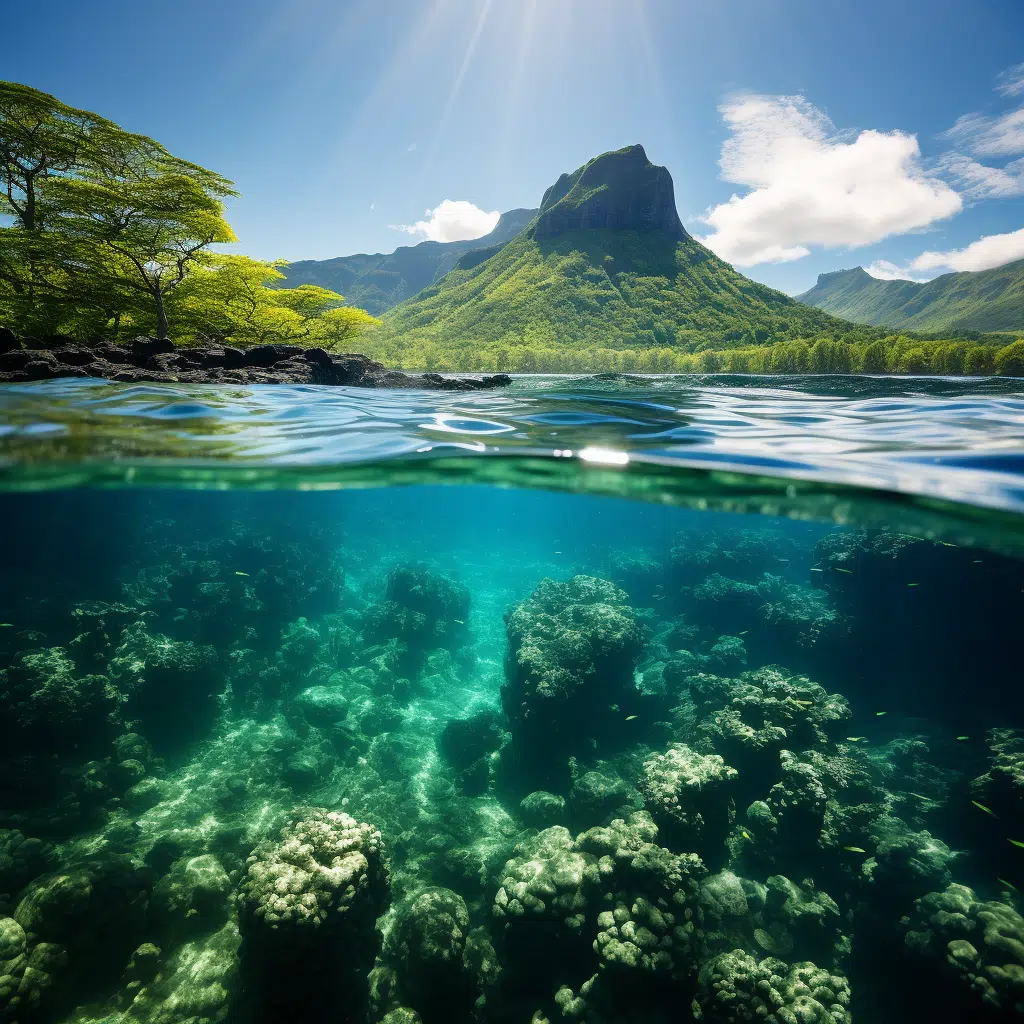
(979,181)
(809,185)
(455,220)
(884,270)
(987,252)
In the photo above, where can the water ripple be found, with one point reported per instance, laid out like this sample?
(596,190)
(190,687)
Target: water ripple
(961,439)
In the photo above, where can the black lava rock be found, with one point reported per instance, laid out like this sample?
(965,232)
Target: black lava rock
(161,361)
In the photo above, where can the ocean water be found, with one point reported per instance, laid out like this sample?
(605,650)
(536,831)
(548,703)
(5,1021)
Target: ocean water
(593,699)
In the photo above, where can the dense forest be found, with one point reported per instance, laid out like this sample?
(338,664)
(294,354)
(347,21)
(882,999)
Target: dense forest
(896,353)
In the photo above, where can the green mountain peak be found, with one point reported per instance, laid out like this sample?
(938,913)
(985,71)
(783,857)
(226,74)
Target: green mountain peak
(605,263)
(621,190)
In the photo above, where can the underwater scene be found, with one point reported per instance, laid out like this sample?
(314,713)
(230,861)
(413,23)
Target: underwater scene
(525,739)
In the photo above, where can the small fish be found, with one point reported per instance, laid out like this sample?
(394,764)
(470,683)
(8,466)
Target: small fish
(855,849)
(746,834)
(945,543)
(848,571)
(962,738)
(817,570)
(659,597)
(6,625)
(878,714)
(459,621)
(803,703)
(988,810)
(237,573)
(558,552)
(913,584)
(658,586)
(629,718)
(920,797)
(743,632)
(1015,842)
(855,739)
(1009,885)
(977,561)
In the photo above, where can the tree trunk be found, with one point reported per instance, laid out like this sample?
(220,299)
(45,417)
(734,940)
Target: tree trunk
(161,315)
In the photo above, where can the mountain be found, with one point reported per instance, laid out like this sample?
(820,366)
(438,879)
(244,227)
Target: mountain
(381,280)
(606,262)
(983,300)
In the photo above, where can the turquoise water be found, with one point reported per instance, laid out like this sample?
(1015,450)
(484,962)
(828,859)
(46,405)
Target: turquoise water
(590,700)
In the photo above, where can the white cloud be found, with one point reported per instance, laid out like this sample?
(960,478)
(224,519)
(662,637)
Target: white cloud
(1011,81)
(809,185)
(373,206)
(987,252)
(979,181)
(884,270)
(411,148)
(455,220)
(991,136)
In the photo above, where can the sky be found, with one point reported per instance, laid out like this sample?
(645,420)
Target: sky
(802,137)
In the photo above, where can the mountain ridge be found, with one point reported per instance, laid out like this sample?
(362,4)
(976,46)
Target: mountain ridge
(379,281)
(963,301)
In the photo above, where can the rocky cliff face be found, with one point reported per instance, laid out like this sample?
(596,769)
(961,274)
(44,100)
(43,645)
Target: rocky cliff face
(619,190)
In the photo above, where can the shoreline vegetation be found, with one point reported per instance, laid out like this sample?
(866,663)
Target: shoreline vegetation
(894,354)
(107,237)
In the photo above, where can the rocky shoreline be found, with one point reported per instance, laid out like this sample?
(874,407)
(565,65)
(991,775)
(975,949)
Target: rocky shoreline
(145,360)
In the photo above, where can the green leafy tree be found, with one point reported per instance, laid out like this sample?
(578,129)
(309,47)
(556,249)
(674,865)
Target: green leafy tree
(1009,361)
(143,221)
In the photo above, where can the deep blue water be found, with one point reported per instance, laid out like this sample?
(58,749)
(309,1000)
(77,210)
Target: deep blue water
(648,700)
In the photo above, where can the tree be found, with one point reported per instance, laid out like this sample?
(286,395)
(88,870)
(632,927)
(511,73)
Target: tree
(143,221)
(97,213)
(874,358)
(1009,361)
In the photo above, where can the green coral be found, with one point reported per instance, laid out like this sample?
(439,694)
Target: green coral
(734,988)
(687,794)
(326,866)
(980,944)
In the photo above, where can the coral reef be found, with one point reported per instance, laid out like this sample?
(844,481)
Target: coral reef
(688,796)
(625,800)
(979,944)
(735,988)
(571,652)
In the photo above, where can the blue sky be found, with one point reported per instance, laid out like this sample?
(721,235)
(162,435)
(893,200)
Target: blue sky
(340,121)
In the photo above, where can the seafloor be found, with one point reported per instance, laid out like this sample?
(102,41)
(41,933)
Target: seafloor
(364,758)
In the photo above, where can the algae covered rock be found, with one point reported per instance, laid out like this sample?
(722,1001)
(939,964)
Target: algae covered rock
(541,808)
(47,707)
(193,896)
(322,706)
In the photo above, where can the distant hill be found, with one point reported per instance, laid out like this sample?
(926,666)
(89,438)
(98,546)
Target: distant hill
(378,281)
(984,300)
(606,262)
